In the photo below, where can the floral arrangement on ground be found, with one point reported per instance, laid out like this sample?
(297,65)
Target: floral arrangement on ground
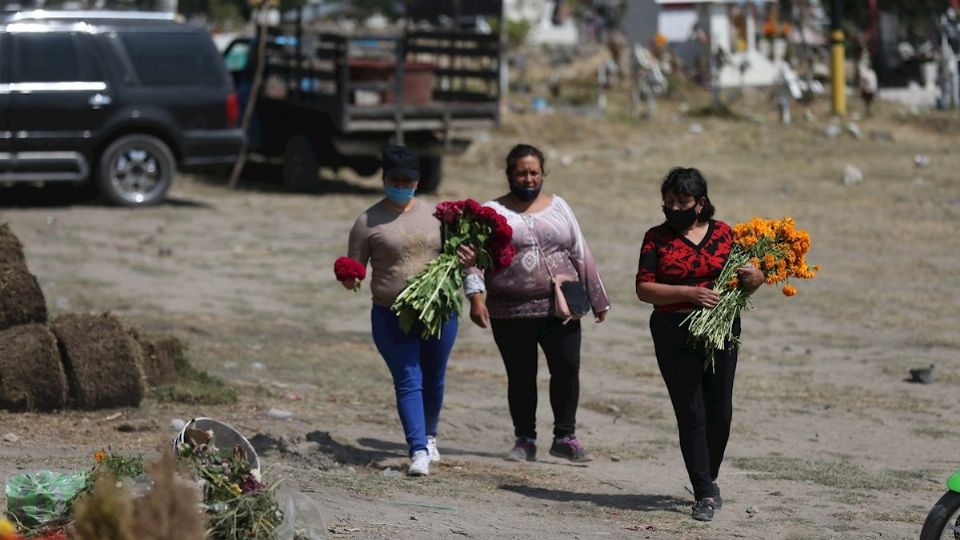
(202,492)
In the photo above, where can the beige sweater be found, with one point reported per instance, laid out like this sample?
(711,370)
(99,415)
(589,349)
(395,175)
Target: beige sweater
(397,245)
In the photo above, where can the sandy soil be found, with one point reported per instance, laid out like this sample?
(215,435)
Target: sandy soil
(829,441)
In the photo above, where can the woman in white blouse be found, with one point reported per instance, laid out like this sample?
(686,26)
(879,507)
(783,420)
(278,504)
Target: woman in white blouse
(517,303)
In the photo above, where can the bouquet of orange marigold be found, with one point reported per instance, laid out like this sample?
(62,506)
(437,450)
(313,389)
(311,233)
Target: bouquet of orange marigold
(778,249)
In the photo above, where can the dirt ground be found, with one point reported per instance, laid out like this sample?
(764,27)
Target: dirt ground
(829,441)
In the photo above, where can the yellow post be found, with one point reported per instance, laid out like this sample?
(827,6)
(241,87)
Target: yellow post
(837,73)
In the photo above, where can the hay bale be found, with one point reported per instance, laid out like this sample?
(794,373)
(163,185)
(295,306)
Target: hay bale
(31,376)
(100,360)
(159,356)
(21,300)
(11,250)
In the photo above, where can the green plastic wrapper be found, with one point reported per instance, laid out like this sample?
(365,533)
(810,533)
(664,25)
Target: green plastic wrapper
(40,497)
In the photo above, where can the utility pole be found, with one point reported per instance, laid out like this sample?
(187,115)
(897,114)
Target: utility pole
(837,60)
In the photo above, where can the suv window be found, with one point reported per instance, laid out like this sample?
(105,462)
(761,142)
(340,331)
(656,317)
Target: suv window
(52,57)
(237,54)
(173,59)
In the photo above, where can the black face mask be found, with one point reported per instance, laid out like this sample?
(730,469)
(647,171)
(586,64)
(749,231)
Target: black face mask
(681,220)
(525,194)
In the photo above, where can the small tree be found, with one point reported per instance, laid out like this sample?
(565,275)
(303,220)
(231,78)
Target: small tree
(518,31)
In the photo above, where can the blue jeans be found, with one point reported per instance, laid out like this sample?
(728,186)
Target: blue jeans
(418,367)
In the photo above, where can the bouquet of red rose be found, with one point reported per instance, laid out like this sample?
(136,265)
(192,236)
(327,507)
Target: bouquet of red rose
(433,295)
(346,268)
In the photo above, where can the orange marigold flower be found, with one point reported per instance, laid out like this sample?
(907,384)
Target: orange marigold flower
(99,456)
(769,261)
(770,28)
(8,531)
(789,290)
(733,283)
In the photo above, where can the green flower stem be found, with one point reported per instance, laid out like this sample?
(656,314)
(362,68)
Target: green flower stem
(713,328)
(431,296)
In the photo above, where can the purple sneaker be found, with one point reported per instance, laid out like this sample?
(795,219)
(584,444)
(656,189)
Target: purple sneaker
(570,448)
(523,450)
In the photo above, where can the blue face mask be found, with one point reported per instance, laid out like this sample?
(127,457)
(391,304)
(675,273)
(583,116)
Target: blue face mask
(525,194)
(399,195)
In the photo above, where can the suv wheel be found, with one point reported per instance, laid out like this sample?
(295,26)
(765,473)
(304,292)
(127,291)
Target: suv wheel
(300,165)
(135,170)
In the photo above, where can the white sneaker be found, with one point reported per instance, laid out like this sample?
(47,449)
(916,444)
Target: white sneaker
(419,464)
(432,449)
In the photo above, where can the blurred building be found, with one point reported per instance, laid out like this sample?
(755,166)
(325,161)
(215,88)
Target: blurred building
(735,30)
(461,11)
(548,26)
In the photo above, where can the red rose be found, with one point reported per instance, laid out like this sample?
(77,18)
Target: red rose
(448,211)
(502,236)
(346,268)
(487,214)
(471,207)
(505,256)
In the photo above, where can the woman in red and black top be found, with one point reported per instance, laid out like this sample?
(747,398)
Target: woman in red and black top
(679,262)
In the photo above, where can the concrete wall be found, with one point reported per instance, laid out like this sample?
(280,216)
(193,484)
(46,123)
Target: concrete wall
(640,21)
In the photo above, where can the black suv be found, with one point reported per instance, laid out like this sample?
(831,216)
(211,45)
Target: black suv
(119,98)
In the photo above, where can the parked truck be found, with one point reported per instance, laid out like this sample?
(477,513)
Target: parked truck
(335,99)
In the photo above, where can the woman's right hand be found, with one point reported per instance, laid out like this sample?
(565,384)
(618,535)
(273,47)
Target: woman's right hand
(703,296)
(467,256)
(478,311)
(350,284)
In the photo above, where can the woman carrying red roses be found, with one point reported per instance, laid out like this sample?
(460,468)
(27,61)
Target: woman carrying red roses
(398,236)
(520,309)
(679,262)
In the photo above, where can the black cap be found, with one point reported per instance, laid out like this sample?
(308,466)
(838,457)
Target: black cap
(400,161)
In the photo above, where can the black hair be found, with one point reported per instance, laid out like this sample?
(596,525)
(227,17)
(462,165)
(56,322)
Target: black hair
(521,151)
(691,183)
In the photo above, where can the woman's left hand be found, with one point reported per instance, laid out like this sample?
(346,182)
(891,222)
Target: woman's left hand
(751,278)
(602,316)
(468,256)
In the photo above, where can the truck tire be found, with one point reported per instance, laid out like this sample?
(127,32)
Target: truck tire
(431,172)
(135,170)
(300,165)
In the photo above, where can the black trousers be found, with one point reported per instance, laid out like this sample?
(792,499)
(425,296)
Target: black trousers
(702,399)
(517,340)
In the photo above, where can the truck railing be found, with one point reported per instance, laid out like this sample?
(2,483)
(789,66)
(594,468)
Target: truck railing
(365,77)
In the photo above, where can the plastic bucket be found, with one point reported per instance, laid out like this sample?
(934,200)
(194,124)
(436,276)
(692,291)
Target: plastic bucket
(225,437)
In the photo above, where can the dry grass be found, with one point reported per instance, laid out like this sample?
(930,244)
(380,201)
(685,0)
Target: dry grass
(821,394)
(837,474)
(453,479)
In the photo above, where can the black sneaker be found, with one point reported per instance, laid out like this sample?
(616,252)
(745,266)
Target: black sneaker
(523,450)
(703,509)
(570,448)
(717,501)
